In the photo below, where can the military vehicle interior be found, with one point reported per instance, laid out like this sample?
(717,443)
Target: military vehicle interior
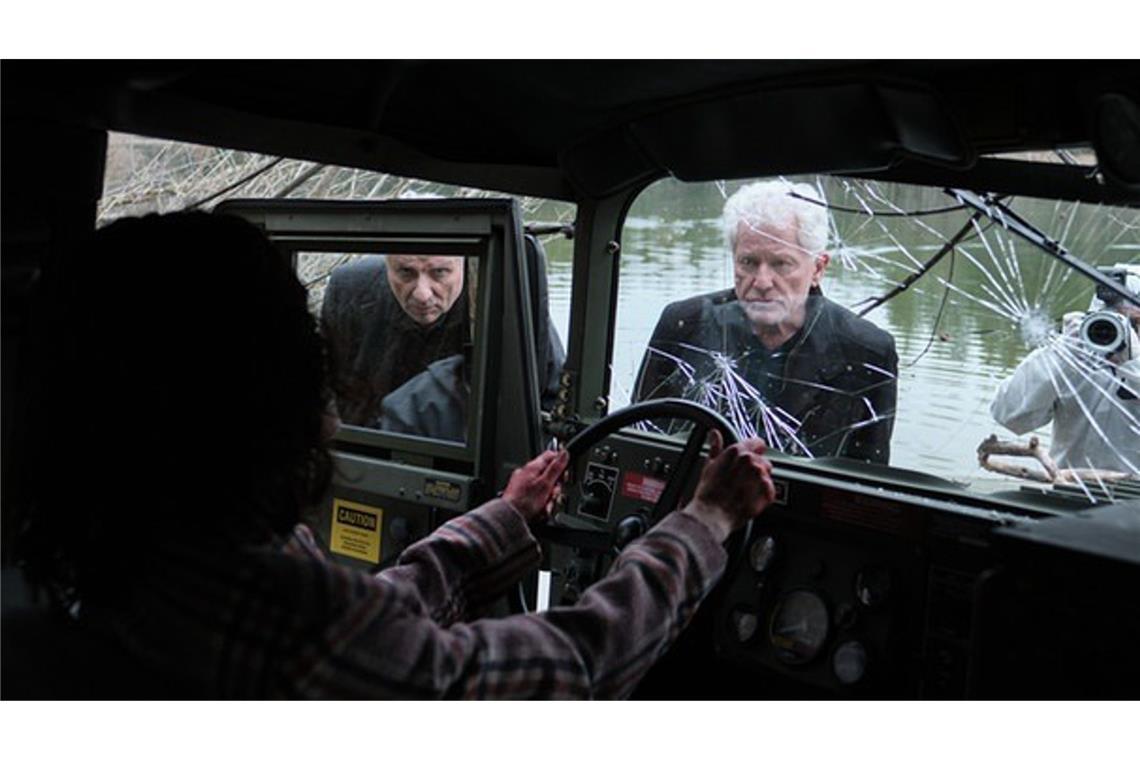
(581,201)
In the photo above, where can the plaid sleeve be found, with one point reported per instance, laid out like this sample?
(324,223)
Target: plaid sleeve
(625,622)
(384,644)
(467,562)
(302,543)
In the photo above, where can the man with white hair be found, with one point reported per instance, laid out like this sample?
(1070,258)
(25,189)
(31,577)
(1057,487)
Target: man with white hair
(812,377)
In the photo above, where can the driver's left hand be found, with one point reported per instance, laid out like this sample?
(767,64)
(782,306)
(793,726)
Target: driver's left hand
(534,487)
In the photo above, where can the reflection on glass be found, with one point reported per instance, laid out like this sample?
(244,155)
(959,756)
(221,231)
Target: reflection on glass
(981,318)
(399,330)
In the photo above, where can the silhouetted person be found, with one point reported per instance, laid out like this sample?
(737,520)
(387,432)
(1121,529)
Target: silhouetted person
(182,412)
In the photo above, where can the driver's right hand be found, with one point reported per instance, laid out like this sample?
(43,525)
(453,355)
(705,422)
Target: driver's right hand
(735,486)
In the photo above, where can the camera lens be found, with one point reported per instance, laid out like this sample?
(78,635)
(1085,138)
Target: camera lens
(1102,332)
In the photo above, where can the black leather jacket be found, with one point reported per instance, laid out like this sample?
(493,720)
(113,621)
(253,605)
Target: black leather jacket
(838,386)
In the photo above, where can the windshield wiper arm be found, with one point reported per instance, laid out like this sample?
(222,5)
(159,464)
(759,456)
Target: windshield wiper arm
(1009,219)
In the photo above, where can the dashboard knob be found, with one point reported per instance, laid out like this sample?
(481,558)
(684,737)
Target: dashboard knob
(629,529)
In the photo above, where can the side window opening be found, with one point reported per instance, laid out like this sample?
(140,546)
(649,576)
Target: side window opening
(400,330)
(432,321)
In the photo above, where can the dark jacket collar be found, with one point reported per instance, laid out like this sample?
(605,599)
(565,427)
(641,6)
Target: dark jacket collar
(730,315)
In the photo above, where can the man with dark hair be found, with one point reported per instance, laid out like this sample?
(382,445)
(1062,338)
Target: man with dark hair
(389,318)
(385,320)
(181,542)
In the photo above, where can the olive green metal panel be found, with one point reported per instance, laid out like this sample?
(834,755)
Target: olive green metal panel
(401,485)
(597,246)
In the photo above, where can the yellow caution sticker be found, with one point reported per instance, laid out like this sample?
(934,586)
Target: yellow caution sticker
(356,530)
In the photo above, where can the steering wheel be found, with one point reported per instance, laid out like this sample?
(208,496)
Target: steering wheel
(635,525)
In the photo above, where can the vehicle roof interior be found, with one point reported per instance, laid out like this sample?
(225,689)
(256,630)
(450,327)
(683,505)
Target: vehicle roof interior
(579,129)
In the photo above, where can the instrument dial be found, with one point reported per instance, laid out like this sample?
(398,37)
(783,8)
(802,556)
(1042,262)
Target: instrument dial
(799,627)
(849,663)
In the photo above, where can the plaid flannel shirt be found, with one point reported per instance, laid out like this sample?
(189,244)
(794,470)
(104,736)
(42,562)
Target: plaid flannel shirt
(286,622)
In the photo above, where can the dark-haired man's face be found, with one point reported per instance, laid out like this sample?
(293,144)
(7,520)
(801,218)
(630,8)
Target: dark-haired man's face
(425,286)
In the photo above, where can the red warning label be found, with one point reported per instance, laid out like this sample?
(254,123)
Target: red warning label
(634,485)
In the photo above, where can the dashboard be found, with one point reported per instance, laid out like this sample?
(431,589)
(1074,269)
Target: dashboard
(852,585)
(846,589)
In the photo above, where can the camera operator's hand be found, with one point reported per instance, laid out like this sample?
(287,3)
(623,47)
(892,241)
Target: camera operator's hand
(1071,324)
(1128,373)
(735,486)
(1131,349)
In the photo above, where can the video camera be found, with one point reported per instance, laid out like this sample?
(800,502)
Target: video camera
(1105,330)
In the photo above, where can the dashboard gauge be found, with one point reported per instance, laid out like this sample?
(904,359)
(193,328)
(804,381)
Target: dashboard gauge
(761,553)
(873,586)
(744,625)
(799,627)
(849,663)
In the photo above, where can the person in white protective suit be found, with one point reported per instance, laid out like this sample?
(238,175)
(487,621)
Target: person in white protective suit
(1091,396)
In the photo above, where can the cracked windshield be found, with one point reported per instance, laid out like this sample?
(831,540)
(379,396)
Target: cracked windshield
(917,327)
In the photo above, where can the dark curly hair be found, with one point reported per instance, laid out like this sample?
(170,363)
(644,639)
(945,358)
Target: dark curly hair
(182,383)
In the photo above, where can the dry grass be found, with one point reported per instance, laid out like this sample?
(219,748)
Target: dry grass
(147,175)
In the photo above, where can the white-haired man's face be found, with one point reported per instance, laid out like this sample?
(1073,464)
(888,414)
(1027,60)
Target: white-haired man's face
(773,275)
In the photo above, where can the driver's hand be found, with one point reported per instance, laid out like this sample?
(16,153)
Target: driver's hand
(735,485)
(533,488)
